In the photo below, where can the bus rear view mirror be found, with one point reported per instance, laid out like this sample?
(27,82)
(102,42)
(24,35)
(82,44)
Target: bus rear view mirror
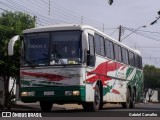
(85,45)
(11,44)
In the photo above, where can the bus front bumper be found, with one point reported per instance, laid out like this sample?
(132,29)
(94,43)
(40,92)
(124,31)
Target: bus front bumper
(59,94)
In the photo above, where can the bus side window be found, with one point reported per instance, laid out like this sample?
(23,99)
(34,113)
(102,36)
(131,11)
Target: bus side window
(136,61)
(112,50)
(131,59)
(102,46)
(91,52)
(118,53)
(107,48)
(139,60)
(125,55)
(99,45)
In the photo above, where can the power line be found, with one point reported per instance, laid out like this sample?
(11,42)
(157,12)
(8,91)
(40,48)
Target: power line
(64,15)
(144,35)
(148,47)
(113,32)
(148,33)
(61,14)
(74,15)
(26,11)
(147,36)
(143,30)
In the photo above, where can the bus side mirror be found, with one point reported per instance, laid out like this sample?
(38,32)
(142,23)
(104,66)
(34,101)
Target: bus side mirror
(85,43)
(84,59)
(11,44)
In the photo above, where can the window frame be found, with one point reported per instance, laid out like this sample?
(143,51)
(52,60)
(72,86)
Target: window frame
(118,52)
(90,35)
(125,56)
(132,60)
(98,46)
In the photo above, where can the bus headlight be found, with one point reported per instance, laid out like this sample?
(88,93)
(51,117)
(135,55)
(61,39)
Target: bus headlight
(27,94)
(76,93)
(72,93)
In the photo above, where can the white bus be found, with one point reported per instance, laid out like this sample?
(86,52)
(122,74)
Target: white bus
(77,64)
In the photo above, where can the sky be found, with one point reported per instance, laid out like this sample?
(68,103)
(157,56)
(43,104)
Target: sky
(131,14)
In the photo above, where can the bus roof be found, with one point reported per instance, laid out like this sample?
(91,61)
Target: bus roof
(59,27)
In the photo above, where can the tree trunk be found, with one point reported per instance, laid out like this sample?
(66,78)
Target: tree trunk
(6,86)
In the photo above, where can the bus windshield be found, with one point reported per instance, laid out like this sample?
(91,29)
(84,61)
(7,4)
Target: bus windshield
(52,48)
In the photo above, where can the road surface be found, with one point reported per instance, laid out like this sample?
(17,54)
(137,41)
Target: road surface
(74,110)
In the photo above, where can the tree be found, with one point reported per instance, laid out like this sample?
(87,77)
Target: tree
(11,24)
(151,79)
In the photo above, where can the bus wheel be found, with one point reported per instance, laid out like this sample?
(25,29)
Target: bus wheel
(133,100)
(46,106)
(93,106)
(101,105)
(128,100)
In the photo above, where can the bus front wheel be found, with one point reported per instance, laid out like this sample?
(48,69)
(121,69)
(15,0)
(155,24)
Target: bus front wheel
(95,105)
(128,100)
(46,106)
(133,100)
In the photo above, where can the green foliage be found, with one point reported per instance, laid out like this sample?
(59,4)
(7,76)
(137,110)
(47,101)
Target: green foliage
(11,24)
(151,77)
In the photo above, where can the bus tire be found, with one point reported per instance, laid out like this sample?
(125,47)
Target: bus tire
(133,99)
(95,105)
(126,104)
(46,106)
(101,98)
(101,105)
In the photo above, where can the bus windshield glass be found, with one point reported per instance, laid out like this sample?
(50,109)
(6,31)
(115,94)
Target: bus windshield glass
(52,48)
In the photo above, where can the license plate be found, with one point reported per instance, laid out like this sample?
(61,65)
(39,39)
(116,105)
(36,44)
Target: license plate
(49,93)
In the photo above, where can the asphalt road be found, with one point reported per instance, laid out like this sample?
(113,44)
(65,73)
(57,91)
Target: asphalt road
(74,110)
(75,107)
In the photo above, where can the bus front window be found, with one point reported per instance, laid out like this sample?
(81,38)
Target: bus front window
(52,48)
(65,47)
(36,49)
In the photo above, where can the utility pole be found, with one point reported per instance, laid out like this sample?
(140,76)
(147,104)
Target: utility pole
(35,17)
(120,32)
